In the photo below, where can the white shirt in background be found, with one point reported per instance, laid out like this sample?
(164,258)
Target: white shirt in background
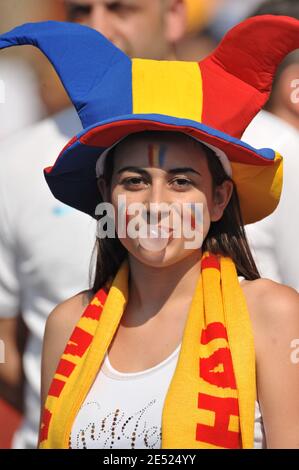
(20,101)
(274,240)
(45,246)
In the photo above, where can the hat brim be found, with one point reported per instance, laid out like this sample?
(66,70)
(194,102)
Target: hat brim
(257,173)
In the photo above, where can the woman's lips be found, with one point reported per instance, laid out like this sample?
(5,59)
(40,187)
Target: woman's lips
(157,238)
(165,230)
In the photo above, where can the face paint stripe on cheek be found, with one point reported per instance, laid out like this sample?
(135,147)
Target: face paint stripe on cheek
(196,216)
(127,220)
(192,210)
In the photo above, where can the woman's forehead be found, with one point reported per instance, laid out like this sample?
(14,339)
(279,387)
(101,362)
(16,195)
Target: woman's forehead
(161,150)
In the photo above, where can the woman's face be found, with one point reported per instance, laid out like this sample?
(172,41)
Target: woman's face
(167,169)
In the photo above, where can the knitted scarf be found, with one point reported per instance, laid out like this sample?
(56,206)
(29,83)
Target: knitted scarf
(211,397)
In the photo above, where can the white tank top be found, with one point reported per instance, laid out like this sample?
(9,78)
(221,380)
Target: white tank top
(124,410)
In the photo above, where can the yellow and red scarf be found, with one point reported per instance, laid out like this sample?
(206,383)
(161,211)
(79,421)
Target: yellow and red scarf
(211,398)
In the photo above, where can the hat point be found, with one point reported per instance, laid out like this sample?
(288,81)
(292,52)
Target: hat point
(95,73)
(238,74)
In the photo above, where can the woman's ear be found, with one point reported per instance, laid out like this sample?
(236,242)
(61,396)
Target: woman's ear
(221,199)
(103,188)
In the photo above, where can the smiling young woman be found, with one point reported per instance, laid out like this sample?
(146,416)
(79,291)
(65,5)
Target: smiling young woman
(172,346)
(162,284)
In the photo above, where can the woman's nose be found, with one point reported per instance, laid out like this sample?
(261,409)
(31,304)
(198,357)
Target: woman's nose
(156,202)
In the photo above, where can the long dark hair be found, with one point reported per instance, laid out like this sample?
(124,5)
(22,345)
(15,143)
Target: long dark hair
(226,237)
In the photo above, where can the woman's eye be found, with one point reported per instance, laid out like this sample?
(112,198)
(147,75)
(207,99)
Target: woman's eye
(182,182)
(134,181)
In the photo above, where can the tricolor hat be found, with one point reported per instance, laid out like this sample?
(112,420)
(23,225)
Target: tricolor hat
(213,101)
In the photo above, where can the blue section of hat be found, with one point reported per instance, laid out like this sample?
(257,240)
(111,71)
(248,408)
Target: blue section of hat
(96,74)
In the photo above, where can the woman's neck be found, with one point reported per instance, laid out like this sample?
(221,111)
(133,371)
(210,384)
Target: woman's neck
(152,287)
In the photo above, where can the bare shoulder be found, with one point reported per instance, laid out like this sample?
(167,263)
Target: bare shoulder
(59,327)
(66,314)
(273,308)
(271,300)
(61,322)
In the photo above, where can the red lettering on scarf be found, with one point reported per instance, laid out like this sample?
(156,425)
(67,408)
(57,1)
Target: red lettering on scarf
(65,367)
(56,387)
(223,407)
(218,435)
(214,330)
(220,358)
(210,262)
(78,342)
(94,311)
(47,415)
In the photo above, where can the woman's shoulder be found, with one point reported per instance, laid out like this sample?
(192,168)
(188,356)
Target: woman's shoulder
(67,313)
(271,305)
(64,317)
(267,293)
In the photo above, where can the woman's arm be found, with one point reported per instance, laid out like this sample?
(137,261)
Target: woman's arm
(59,327)
(276,326)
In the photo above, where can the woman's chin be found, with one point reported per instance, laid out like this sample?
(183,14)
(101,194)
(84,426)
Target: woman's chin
(151,250)
(158,255)
(153,245)
(149,253)
(166,256)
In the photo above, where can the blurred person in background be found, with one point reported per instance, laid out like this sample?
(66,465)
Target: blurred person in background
(44,90)
(141,28)
(45,245)
(20,105)
(272,238)
(208,21)
(229,13)
(198,42)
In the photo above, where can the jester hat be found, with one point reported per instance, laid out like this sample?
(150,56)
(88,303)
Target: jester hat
(212,101)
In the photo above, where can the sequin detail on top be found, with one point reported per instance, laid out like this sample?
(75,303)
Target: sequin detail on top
(118,427)
(133,418)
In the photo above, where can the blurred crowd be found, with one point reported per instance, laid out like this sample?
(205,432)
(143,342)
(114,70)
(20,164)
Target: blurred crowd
(45,246)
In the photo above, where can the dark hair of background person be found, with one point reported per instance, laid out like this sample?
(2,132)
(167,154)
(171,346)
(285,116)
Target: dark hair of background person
(226,236)
(281,8)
